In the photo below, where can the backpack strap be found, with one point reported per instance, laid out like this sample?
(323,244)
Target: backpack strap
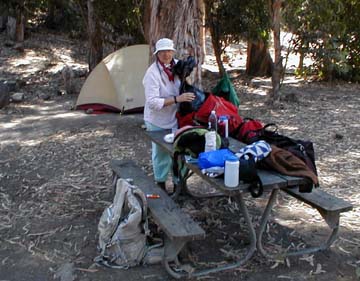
(256,188)
(260,133)
(139,194)
(248,173)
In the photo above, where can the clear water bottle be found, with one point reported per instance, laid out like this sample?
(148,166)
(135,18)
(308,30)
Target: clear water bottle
(223,126)
(212,121)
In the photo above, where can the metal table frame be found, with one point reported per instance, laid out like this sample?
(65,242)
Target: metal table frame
(272,182)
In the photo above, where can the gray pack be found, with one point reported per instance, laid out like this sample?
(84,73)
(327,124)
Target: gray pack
(123,228)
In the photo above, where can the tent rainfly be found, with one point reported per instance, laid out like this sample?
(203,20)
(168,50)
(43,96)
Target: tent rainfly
(115,84)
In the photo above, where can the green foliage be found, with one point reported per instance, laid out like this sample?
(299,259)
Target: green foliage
(233,24)
(122,17)
(55,14)
(328,32)
(118,18)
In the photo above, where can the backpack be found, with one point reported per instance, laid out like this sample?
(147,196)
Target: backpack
(302,149)
(247,131)
(189,140)
(224,88)
(221,107)
(123,228)
(186,108)
(183,69)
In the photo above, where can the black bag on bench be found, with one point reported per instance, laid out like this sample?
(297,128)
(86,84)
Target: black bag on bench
(300,148)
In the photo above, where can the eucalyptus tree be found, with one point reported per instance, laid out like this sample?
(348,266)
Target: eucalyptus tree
(275,11)
(181,21)
(114,23)
(328,32)
(17,11)
(231,21)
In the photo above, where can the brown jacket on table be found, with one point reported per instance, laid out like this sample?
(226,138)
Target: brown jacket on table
(287,163)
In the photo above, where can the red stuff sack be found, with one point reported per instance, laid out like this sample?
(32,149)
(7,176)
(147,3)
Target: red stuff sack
(221,107)
(249,130)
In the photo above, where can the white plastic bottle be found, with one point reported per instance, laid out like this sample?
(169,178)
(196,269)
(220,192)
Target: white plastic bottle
(231,171)
(212,121)
(210,141)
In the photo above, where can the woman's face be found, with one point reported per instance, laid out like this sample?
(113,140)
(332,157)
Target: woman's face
(165,56)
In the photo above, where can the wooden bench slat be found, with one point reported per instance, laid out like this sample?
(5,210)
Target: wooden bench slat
(270,180)
(172,220)
(320,200)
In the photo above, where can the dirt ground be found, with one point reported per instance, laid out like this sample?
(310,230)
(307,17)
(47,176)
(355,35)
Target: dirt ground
(55,177)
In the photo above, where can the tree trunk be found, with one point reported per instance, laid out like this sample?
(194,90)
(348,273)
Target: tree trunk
(95,37)
(49,21)
(162,21)
(202,29)
(217,52)
(189,19)
(180,21)
(258,61)
(215,37)
(300,67)
(20,26)
(146,21)
(3,21)
(11,28)
(278,67)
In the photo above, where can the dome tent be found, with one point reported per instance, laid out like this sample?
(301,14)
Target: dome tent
(115,84)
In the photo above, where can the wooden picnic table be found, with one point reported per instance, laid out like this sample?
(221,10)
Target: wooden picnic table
(270,179)
(328,205)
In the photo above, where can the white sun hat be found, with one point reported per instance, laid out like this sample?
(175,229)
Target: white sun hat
(164,44)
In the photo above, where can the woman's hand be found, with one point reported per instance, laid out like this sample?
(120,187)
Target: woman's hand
(184,97)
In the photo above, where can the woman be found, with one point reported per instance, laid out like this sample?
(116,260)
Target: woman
(161,99)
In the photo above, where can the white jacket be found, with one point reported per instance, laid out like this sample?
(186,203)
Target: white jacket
(158,87)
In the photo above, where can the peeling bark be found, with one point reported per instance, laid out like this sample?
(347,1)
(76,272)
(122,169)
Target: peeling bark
(95,38)
(180,21)
(258,60)
(278,67)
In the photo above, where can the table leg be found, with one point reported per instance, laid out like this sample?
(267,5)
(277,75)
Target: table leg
(201,272)
(181,185)
(331,219)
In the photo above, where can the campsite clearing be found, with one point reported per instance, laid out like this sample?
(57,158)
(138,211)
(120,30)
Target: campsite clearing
(55,177)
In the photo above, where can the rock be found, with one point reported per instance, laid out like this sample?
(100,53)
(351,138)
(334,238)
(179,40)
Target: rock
(4,94)
(66,272)
(44,96)
(338,136)
(4,99)
(3,21)
(61,92)
(80,72)
(9,43)
(17,97)
(260,82)
(289,97)
(68,77)
(12,85)
(19,47)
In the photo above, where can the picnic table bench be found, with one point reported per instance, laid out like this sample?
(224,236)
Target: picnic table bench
(169,216)
(179,227)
